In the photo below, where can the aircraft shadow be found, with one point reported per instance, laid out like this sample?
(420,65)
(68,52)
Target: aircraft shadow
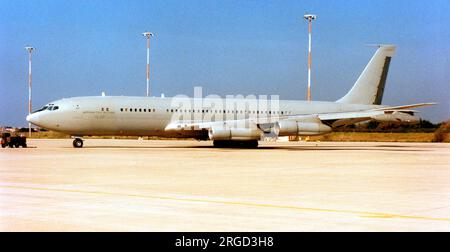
(393,148)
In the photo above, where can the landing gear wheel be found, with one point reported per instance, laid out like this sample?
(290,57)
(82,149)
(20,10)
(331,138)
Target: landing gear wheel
(253,144)
(219,144)
(78,143)
(235,144)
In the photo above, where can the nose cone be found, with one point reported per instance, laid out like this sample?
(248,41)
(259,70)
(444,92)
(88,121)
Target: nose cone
(33,118)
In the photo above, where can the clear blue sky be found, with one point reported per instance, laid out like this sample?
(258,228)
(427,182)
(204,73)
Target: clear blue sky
(228,47)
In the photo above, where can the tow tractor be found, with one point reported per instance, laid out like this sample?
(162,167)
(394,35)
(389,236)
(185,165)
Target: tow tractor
(12,141)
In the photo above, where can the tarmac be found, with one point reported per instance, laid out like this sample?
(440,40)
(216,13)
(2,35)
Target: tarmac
(142,185)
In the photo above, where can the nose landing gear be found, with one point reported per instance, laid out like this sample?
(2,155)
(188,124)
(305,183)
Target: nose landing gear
(78,142)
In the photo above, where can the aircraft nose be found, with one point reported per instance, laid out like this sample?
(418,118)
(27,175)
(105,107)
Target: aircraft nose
(33,118)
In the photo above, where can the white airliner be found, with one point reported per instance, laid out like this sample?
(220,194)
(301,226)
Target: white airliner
(243,126)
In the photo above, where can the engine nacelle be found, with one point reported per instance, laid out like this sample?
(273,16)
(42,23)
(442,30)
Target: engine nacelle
(289,128)
(397,117)
(239,134)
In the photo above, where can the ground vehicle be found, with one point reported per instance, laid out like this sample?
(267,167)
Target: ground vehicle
(12,141)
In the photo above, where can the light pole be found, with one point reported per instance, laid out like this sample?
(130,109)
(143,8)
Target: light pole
(30,51)
(310,18)
(148,35)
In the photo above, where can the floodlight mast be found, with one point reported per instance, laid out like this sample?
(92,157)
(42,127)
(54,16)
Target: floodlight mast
(309,18)
(148,35)
(30,51)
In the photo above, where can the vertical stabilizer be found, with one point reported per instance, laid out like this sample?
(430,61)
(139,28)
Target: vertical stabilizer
(369,87)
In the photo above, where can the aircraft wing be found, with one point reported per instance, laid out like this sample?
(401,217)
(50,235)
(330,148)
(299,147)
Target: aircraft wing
(404,107)
(372,112)
(337,118)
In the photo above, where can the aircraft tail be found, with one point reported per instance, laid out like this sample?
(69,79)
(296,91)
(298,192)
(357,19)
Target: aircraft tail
(369,87)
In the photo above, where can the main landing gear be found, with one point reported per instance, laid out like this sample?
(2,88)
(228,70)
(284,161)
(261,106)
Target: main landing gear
(235,144)
(78,142)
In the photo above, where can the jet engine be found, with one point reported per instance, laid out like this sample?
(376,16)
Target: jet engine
(307,128)
(237,134)
(397,117)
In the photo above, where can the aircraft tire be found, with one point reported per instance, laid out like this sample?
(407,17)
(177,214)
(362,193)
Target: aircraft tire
(77,143)
(235,144)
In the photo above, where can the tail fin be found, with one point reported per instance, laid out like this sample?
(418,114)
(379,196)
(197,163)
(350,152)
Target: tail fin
(369,87)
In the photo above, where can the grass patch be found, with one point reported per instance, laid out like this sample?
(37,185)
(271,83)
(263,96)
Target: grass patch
(379,137)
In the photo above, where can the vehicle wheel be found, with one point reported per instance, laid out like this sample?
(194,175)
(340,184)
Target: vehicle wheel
(24,145)
(3,145)
(78,143)
(17,145)
(10,145)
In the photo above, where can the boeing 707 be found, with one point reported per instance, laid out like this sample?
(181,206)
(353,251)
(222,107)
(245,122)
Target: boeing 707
(224,122)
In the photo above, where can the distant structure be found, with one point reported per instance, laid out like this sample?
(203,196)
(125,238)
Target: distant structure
(30,52)
(148,35)
(310,18)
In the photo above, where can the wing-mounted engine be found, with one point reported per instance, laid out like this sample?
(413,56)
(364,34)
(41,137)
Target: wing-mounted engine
(304,127)
(401,117)
(234,134)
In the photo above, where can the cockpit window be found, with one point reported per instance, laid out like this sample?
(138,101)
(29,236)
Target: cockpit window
(50,107)
(41,109)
